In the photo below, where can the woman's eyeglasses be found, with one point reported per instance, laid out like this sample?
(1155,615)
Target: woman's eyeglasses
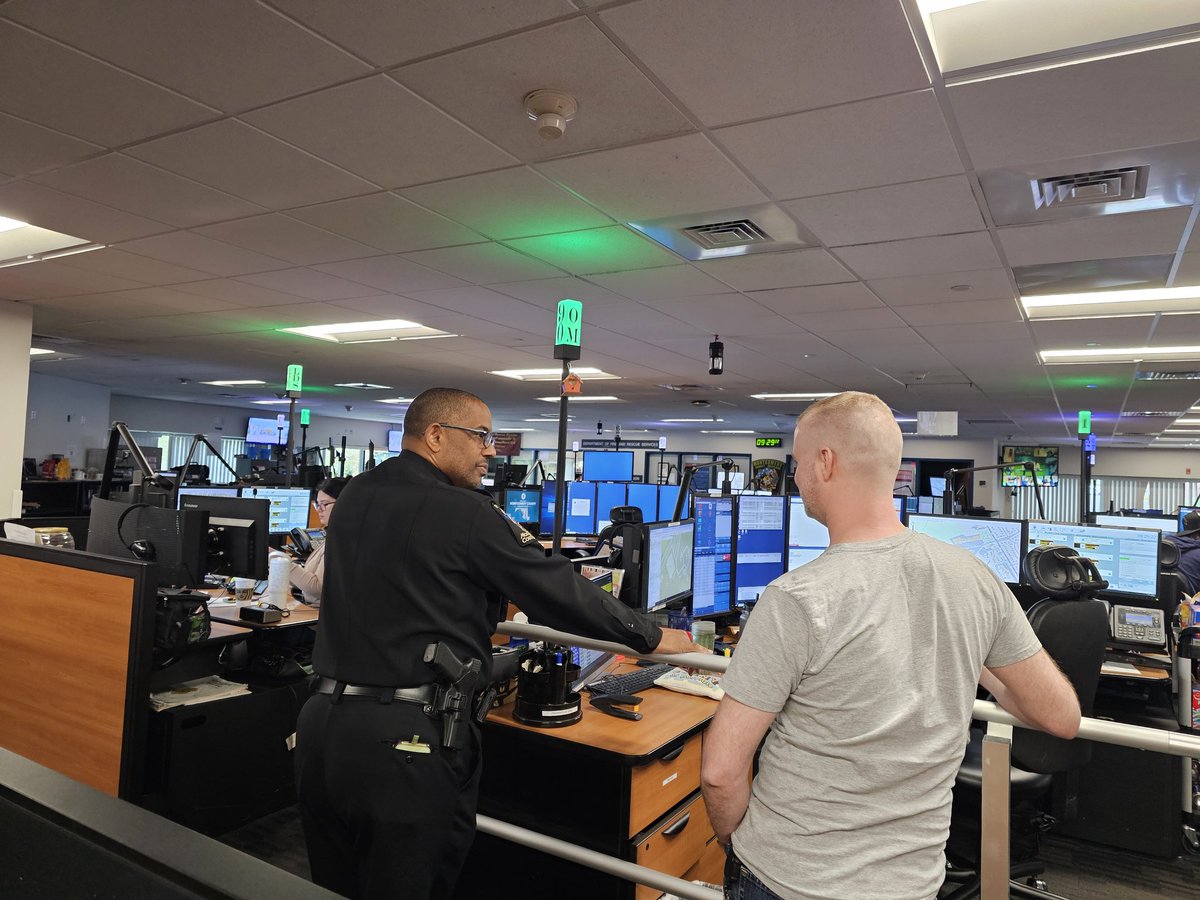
(322,505)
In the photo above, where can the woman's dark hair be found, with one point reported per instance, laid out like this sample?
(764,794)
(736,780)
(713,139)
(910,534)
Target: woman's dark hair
(331,486)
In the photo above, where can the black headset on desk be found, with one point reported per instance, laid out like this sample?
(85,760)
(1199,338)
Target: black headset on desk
(1060,573)
(141,549)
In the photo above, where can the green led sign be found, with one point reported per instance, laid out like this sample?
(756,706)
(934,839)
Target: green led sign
(295,378)
(568,330)
(305,417)
(768,442)
(1085,421)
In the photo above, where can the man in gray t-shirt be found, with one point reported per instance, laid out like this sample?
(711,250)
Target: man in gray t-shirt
(860,668)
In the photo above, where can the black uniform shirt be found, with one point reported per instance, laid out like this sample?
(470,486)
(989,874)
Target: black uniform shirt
(414,559)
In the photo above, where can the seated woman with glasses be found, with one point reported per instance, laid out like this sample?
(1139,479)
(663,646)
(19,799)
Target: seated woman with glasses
(309,576)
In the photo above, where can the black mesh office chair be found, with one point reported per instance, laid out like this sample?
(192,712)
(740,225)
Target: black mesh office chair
(621,539)
(1073,629)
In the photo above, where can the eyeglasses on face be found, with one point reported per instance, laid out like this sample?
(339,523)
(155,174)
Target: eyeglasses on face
(322,505)
(487,437)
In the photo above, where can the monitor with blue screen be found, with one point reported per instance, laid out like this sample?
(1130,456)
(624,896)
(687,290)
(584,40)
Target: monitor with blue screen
(998,543)
(1158,523)
(608,465)
(1128,558)
(806,537)
(760,545)
(608,495)
(645,498)
(667,549)
(712,558)
(668,496)
(289,506)
(898,505)
(581,508)
(546,509)
(523,504)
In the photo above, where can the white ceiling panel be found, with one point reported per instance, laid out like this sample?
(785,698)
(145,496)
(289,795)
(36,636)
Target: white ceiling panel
(940,335)
(53,279)
(119,263)
(490,306)
(390,306)
(508,204)
(393,274)
(309,283)
(760,271)
(48,208)
(383,117)
(843,148)
(133,304)
(195,251)
(233,157)
(286,238)
(810,52)
(922,256)
(50,84)
(661,283)
(124,183)
(388,222)
(484,263)
(546,293)
(977,312)
(1189,269)
(262,55)
(824,298)
(916,209)
(239,293)
(596,251)
(829,323)
(26,147)
(485,87)
(951,287)
(1062,334)
(1131,234)
(637,321)
(665,178)
(1172,331)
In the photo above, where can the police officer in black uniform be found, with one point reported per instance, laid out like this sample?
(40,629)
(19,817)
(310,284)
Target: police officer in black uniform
(421,555)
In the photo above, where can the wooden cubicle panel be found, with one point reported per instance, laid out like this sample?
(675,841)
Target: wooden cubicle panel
(73,627)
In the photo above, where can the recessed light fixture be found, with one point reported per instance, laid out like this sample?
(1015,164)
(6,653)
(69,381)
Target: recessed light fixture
(1118,354)
(1091,385)
(7,224)
(708,420)
(376,331)
(34,351)
(806,396)
(906,419)
(960,287)
(233,383)
(271,402)
(726,431)
(590,374)
(545,421)
(585,399)
(1127,302)
(509,428)
(398,400)
(1186,421)
(364,386)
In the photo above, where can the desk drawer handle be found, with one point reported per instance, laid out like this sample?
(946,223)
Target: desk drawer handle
(675,827)
(674,754)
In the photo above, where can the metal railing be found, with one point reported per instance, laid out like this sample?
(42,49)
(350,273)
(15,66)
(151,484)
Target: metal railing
(994,861)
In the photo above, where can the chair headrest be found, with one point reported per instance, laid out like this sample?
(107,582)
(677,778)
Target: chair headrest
(1060,573)
(1170,555)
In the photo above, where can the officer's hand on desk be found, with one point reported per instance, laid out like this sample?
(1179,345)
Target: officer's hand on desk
(676,641)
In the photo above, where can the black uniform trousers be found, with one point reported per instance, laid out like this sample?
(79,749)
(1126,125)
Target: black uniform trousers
(381,822)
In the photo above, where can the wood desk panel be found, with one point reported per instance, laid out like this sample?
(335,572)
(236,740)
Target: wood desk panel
(222,611)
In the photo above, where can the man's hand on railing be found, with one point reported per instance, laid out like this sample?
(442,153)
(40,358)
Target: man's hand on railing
(676,641)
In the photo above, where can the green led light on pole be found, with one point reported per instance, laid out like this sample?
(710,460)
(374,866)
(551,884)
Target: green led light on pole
(1085,421)
(295,378)
(568,330)
(305,417)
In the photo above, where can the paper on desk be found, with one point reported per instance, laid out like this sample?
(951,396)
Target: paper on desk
(1120,668)
(202,690)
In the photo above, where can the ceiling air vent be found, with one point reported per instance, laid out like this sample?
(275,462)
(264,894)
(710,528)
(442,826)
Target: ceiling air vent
(1086,188)
(1154,414)
(1167,376)
(761,228)
(727,234)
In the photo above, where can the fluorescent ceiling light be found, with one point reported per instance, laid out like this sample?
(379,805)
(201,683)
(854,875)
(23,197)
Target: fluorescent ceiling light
(545,421)
(581,399)
(808,396)
(71,251)
(34,351)
(1186,422)
(552,374)
(898,419)
(1118,354)
(935,6)
(398,400)
(726,431)
(1130,302)
(233,383)
(7,224)
(378,330)
(364,386)
(270,402)
(709,420)
(509,428)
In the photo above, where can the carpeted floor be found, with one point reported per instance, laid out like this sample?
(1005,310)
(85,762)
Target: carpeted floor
(1074,869)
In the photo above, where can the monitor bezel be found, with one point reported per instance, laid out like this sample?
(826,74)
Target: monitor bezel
(647,529)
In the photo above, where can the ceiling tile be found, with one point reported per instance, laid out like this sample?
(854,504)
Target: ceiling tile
(488,305)
(385,32)
(484,263)
(286,238)
(546,292)
(485,87)
(121,264)
(658,284)
(1103,237)
(262,56)
(1189,270)
(236,292)
(150,301)
(389,306)
(1063,334)
(916,209)
(124,183)
(388,222)
(941,334)
(599,250)
(843,148)
(757,271)
(47,208)
(824,298)
(55,86)
(309,283)
(26,148)
(196,251)
(656,180)
(825,323)
(53,279)
(383,116)
(989,284)
(966,312)
(393,274)
(233,157)
(922,256)
(508,204)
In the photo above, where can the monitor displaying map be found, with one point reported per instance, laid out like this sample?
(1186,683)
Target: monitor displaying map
(998,543)
(668,562)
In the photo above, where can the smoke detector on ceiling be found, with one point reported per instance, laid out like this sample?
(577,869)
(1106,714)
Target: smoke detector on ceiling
(551,110)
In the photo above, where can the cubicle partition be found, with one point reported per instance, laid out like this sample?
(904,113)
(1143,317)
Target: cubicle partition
(75,636)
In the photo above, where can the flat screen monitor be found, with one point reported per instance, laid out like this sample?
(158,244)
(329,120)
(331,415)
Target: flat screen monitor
(668,496)
(737,480)
(174,541)
(395,437)
(712,562)
(645,498)
(925,505)
(1045,466)
(1164,524)
(608,495)
(204,492)
(997,543)
(667,562)
(523,504)
(608,465)
(806,537)
(1128,558)
(266,431)
(581,508)
(910,504)
(238,529)
(546,509)
(898,505)
(759,546)
(937,486)
(289,507)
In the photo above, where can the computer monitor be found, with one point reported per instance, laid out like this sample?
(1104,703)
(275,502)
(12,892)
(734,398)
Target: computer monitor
(937,486)
(174,541)
(666,562)
(712,558)
(910,504)
(898,503)
(546,508)
(238,529)
(925,505)
(289,506)
(523,504)
(1164,524)
(581,508)
(668,496)
(760,545)
(806,537)
(608,495)
(608,465)
(266,431)
(205,492)
(1128,558)
(645,498)
(997,543)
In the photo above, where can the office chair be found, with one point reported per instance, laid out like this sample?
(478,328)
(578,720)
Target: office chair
(1073,629)
(622,540)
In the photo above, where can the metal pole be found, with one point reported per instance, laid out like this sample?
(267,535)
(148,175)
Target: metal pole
(1085,480)
(560,498)
(290,431)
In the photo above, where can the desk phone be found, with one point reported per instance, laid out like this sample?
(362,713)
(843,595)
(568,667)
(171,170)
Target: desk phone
(1138,625)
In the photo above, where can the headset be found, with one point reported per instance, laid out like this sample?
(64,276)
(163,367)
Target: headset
(141,549)
(1060,573)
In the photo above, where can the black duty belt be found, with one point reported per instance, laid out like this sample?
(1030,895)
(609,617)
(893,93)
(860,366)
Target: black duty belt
(424,694)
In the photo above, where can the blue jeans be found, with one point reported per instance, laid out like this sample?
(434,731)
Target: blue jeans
(741,883)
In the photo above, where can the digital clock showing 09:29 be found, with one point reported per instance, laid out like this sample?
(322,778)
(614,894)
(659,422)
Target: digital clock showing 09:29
(768,442)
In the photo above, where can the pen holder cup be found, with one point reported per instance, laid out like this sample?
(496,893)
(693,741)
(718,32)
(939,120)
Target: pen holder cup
(544,695)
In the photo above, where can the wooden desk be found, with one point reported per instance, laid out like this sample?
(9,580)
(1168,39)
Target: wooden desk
(628,789)
(229,611)
(1133,667)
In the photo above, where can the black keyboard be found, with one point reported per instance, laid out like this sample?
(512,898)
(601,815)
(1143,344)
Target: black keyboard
(632,683)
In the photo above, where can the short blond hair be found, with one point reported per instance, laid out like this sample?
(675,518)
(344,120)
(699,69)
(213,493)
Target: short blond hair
(861,429)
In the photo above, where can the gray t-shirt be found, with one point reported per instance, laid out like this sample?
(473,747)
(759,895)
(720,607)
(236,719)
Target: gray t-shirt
(870,656)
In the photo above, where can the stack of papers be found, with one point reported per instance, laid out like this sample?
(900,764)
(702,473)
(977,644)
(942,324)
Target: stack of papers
(202,690)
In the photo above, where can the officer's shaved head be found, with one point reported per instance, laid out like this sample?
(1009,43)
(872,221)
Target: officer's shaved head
(861,429)
(437,405)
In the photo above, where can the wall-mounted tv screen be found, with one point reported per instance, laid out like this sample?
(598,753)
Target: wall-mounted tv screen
(395,436)
(608,465)
(1044,459)
(266,431)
